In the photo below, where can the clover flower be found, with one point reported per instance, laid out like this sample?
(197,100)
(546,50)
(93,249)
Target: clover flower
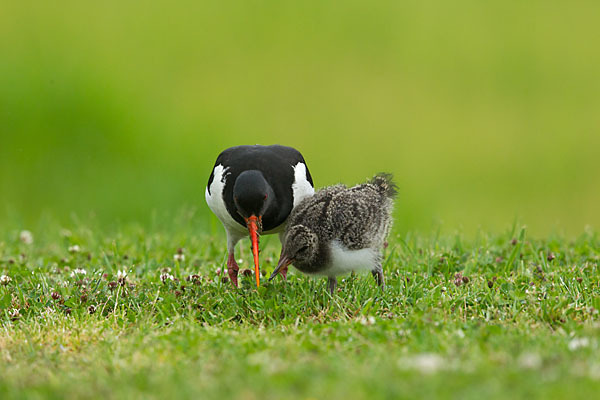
(370,320)
(78,271)
(122,277)
(578,343)
(14,314)
(26,237)
(5,280)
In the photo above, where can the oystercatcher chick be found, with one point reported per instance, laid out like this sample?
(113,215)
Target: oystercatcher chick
(252,190)
(339,230)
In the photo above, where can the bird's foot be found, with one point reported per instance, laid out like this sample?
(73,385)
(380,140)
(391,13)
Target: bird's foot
(283,272)
(232,270)
(331,284)
(378,275)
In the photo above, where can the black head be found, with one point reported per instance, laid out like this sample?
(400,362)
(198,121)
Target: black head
(252,194)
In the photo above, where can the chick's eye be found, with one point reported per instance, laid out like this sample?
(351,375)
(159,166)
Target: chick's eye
(302,249)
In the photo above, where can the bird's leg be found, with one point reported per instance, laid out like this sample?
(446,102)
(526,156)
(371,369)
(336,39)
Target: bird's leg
(331,284)
(378,275)
(232,269)
(283,270)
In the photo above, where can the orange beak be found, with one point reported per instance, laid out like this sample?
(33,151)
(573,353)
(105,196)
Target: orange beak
(254,226)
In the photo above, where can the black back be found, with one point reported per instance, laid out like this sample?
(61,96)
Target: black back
(275,162)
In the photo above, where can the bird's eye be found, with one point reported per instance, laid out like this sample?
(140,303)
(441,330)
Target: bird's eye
(302,249)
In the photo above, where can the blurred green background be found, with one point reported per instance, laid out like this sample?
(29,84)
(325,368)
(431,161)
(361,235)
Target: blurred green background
(484,111)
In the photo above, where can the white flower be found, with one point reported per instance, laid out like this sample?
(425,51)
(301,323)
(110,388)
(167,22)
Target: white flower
(179,257)
(426,363)
(5,280)
(404,333)
(166,277)
(48,311)
(74,249)
(370,320)
(529,361)
(121,275)
(26,237)
(578,343)
(78,271)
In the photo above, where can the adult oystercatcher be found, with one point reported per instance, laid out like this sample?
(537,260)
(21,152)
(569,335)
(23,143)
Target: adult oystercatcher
(252,190)
(339,230)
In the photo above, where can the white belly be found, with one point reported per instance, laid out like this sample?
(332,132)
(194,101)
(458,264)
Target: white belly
(344,260)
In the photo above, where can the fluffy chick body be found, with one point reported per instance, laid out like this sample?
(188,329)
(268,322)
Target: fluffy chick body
(341,229)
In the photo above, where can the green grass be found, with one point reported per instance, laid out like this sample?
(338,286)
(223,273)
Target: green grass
(491,316)
(483,111)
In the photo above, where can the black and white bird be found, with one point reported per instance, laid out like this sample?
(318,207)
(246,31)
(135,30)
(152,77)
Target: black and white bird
(252,190)
(339,230)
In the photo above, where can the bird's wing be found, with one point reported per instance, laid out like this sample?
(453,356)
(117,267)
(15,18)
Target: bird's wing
(312,210)
(359,217)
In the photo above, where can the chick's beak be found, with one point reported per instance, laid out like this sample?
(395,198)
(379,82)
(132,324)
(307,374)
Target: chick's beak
(254,227)
(284,261)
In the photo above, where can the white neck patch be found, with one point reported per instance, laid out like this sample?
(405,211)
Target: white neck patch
(301,188)
(216,203)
